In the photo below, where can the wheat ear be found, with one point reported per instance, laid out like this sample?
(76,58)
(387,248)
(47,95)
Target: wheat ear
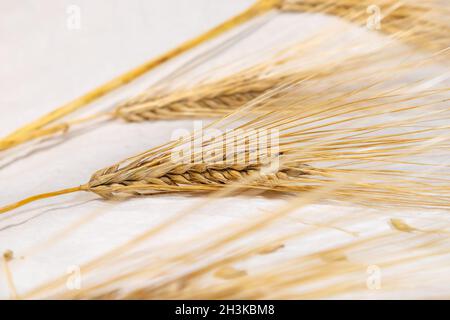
(26,132)
(399,20)
(40,197)
(422,24)
(220,97)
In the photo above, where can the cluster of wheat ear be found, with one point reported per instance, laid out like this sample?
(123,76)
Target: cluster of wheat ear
(422,24)
(361,127)
(345,130)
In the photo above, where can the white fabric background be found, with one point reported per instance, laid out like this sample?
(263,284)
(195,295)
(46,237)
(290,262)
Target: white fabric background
(45,64)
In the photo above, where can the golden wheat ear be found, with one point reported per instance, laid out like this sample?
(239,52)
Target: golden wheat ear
(216,98)
(33,129)
(420,24)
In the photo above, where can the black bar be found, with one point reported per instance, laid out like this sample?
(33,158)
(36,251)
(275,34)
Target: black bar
(237,309)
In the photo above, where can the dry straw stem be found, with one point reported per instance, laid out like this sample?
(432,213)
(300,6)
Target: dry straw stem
(27,132)
(422,24)
(6,258)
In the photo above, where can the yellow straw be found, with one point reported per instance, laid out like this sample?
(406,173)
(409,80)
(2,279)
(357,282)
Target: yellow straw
(39,197)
